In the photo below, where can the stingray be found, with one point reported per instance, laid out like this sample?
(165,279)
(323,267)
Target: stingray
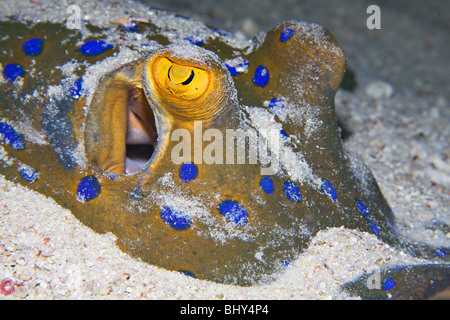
(200,154)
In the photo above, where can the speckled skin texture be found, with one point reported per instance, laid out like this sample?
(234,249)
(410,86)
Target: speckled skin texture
(305,72)
(403,283)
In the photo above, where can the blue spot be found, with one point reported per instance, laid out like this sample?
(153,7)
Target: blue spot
(13,71)
(28,173)
(88,189)
(276,105)
(9,136)
(188,172)
(237,65)
(33,47)
(221,32)
(441,253)
(286,263)
(233,212)
(362,208)
(187,273)
(388,284)
(75,89)
(95,47)
(292,192)
(267,184)
(374,228)
(232,70)
(284,137)
(261,77)
(175,219)
(328,189)
(286,34)
(131,27)
(196,41)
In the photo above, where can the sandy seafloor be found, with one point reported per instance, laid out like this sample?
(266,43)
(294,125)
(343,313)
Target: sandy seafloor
(398,120)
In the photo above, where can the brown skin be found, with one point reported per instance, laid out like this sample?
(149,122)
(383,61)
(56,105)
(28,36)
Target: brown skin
(303,71)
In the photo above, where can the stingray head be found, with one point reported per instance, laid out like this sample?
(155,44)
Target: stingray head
(136,107)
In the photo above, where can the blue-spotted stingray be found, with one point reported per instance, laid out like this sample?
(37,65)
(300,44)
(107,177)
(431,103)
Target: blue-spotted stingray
(200,155)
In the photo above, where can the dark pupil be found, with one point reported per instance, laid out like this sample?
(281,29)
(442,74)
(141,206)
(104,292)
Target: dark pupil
(185,82)
(189,80)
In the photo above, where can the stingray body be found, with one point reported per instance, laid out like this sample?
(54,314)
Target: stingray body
(218,161)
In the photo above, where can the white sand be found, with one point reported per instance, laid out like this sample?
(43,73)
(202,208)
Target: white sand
(398,116)
(50,254)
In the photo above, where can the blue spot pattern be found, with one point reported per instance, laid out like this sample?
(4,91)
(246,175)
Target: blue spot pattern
(233,212)
(284,137)
(284,133)
(12,71)
(392,225)
(221,32)
(292,192)
(95,47)
(261,77)
(76,89)
(88,189)
(131,27)
(33,47)
(374,228)
(235,69)
(193,40)
(188,172)
(388,284)
(276,105)
(187,273)
(286,34)
(286,263)
(441,253)
(362,208)
(28,173)
(175,219)
(328,189)
(266,184)
(9,136)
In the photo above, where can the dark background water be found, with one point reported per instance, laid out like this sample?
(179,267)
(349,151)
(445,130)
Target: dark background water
(232,14)
(410,50)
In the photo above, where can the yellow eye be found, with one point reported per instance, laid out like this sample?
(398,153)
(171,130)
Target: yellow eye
(187,83)
(182,81)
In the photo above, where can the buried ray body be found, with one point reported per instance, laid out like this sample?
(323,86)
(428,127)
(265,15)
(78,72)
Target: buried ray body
(108,151)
